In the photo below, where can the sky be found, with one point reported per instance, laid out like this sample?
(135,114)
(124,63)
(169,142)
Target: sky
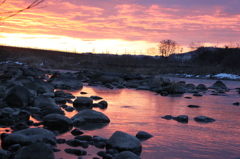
(120,26)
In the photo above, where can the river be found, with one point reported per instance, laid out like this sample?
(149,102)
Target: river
(132,110)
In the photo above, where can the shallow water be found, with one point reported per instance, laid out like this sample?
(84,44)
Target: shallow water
(136,110)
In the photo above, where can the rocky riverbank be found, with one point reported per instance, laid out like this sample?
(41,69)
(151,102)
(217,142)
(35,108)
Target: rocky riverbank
(31,92)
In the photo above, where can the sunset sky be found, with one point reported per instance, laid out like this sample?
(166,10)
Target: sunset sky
(120,26)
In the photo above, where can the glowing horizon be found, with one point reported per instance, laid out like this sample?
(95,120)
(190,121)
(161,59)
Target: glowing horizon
(120,27)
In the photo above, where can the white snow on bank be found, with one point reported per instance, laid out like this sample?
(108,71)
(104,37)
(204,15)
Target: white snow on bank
(227,76)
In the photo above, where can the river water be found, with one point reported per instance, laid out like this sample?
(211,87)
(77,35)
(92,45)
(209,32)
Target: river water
(132,110)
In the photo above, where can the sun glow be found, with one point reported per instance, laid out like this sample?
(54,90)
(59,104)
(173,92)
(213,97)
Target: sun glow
(76,45)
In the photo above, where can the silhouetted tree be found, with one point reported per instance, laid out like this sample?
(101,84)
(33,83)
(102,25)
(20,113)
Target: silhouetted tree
(9,14)
(167,47)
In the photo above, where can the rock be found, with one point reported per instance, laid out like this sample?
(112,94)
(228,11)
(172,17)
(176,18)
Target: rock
(76,143)
(79,121)
(181,118)
(37,150)
(126,155)
(57,122)
(40,86)
(219,85)
(193,106)
(143,88)
(82,102)
(197,95)
(76,132)
(96,97)
(124,142)
(175,88)
(76,152)
(190,87)
(168,117)
(28,136)
(92,116)
(103,104)
(201,87)
(66,82)
(61,141)
(47,106)
(236,103)
(142,135)
(69,109)
(5,154)
(204,119)
(84,137)
(17,96)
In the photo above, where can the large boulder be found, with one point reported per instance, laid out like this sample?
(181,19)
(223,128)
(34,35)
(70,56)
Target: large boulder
(47,106)
(82,102)
(91,116)
(124,142)
(57,122)
(17,96)
(27,136)
(40,86)
(37,150)
(219,85)
(4,154)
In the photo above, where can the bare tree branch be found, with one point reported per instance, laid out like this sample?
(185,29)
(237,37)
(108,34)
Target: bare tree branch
(13,13)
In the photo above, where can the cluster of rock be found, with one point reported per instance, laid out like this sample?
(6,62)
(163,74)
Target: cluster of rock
(29,92)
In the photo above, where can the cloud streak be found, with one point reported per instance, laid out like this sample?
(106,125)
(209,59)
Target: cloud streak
(130,20)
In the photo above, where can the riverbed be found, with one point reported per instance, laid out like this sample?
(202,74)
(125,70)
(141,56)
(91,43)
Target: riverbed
(137,110)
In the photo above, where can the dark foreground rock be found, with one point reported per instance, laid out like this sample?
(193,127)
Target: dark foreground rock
(28,136)
(57,122)
(37,150)
(124,142)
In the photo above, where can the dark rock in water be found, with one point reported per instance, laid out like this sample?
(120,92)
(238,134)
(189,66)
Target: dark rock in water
(190,87)
(97,139)
(84,137)
(100,145)
(37,150)
(78,122)
(188,97)
(197,95)
(193,106)
(83,101)
(175,88)
(17,96)
(164,93)
(96,97)
(5,154)
(69,109)
(168,117)
(181,118)
(101,153)
(103,104)
(236,103)
(201,87)
(219,85)
(60,100)
(142,135)
(112,152)
(92,116)
(76,152)
(126,155)
(61,141)
(57,122)
(76,132)
(76,143)
(83,92)
(204,119)
(28,136)
(124,142)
